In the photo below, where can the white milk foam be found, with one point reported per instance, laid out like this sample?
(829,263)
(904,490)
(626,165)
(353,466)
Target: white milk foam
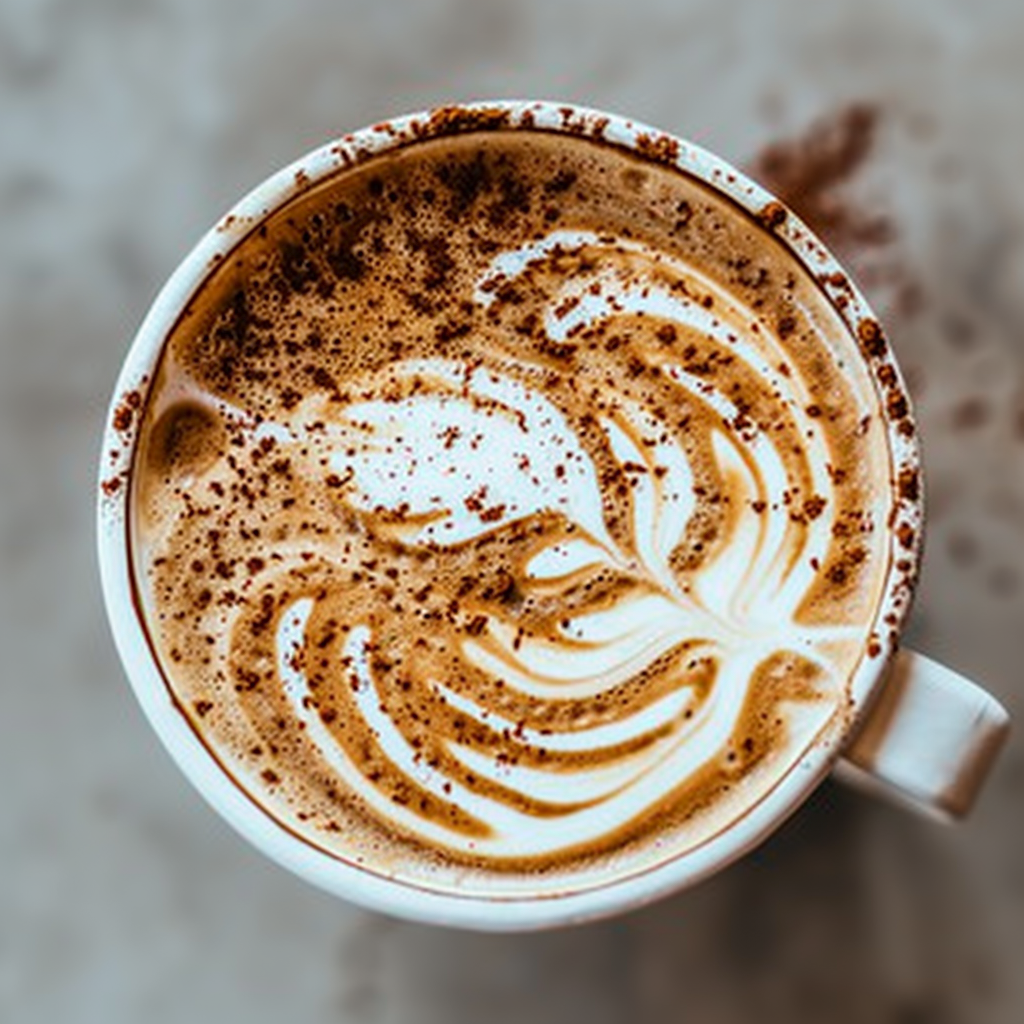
(477,441)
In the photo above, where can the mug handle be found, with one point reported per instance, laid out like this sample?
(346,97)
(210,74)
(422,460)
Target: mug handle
(928,741)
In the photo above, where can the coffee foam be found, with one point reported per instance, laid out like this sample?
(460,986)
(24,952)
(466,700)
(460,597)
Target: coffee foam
(507,513)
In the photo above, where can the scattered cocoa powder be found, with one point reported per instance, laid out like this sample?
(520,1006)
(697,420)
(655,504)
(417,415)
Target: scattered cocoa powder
(811,173)
(816,173)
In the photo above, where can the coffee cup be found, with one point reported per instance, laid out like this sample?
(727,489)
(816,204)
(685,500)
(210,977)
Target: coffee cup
(508,515)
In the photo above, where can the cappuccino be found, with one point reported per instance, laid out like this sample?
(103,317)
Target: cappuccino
(509,513)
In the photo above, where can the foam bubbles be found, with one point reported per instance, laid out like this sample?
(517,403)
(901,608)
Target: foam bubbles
(530,548)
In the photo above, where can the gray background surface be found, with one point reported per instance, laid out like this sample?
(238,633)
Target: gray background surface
(125,130)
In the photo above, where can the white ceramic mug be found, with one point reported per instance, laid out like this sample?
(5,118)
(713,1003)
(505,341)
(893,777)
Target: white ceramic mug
(918,731)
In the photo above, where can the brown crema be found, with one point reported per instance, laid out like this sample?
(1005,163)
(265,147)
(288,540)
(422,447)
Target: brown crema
(509,511)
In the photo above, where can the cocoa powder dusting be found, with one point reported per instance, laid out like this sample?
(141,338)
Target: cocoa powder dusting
(818,173)
(258,513)
(812,172)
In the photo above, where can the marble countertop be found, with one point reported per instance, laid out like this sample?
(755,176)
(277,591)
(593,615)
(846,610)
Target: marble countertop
(127,129)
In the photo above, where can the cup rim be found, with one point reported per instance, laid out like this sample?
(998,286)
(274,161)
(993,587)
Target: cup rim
(214,781)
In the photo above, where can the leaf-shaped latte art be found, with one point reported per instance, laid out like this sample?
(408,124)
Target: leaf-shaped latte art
(455,457)
(520,558)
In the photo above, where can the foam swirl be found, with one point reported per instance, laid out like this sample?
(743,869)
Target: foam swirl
(471,453)
(588,564)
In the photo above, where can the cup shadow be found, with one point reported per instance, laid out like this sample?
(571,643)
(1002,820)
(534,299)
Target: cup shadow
(852,912)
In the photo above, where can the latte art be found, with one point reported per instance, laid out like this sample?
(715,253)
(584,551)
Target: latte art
(478,539)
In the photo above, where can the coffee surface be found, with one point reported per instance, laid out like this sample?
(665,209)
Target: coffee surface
(509,513)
